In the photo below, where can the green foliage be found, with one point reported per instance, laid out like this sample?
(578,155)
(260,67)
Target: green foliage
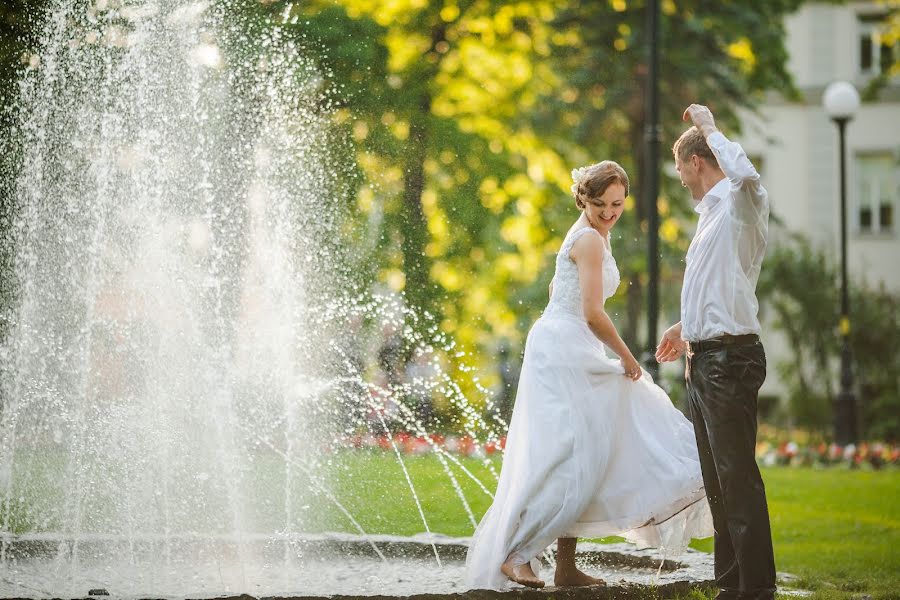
(15,515)
(875,315)
(798,285)
(17,38)
(18,35)
(725,56)
(468,116)
(801,285)
(462,119)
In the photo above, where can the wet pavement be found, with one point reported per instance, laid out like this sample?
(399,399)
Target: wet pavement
(315,566)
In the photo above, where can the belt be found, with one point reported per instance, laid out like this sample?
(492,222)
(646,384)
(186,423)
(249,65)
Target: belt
(721,342)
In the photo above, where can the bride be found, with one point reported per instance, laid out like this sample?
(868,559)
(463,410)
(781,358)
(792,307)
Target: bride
(595,448)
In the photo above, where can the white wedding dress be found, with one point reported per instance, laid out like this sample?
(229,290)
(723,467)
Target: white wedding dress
(590,453)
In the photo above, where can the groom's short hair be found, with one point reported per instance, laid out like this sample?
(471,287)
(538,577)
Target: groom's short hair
(692,142)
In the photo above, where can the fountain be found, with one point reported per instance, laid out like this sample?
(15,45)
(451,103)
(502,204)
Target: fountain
(176,370)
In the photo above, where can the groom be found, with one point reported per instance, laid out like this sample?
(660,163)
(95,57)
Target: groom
(726,364)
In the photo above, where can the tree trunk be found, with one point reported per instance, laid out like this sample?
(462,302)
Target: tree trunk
(634,303)
(415,233)
(419,289)
(635,297)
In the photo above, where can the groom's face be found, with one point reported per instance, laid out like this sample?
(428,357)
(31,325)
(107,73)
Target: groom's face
(689,171)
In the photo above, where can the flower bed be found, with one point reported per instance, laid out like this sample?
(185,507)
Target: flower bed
(801,447)
(773,449)
(408,443)
(875,455)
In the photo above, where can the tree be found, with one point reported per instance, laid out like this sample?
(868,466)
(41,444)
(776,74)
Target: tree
(800,285)
(17,36)
(436,96)
(722,55)
(18,33)
(466,117)
(470,115)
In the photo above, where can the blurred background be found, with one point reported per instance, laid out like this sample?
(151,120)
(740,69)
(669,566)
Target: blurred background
(461,120)
(466,118)
(355,354)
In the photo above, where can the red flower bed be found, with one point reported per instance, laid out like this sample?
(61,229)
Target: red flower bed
(408,443)
(875,455)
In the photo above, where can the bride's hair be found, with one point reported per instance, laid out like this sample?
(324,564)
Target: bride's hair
(592,181)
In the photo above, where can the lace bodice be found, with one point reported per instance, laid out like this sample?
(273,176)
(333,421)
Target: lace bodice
(566,297)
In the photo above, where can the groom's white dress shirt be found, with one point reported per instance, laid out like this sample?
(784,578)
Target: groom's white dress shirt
(724,259)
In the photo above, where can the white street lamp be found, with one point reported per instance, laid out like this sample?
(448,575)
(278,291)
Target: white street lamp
(841,101)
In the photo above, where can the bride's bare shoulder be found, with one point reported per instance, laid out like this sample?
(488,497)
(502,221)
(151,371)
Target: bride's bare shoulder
(587,242)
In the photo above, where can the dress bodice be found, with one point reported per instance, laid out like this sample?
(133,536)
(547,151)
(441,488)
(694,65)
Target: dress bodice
(566,296)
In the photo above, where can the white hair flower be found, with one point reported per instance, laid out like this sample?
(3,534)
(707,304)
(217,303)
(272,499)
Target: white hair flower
(577,174)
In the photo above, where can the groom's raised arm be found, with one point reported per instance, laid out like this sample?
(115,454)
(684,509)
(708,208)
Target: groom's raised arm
(738,169)
(744,178)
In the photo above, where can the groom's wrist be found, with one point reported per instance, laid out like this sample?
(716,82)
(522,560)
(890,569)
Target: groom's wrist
(708,130)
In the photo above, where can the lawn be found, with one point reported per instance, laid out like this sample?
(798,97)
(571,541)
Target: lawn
(838,530)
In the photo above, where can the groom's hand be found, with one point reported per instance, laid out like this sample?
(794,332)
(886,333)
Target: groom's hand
(671,346)
(701,117)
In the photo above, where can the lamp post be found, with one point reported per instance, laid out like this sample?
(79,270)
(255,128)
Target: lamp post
(841,100)
(652,137)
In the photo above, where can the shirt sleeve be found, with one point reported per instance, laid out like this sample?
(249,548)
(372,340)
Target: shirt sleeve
(751,198)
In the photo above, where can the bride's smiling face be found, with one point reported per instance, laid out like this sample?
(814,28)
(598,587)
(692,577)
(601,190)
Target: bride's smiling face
(603,212)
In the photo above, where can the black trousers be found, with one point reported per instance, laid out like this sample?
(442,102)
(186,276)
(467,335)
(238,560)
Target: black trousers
(724,377)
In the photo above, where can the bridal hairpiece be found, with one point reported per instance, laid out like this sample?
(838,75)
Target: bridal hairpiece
(577,175)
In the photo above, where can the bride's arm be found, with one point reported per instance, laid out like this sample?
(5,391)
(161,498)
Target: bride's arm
(587,253)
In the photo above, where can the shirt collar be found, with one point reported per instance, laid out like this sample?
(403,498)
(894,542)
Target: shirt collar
(712,197)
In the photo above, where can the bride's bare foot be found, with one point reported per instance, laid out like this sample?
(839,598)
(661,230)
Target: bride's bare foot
(521,574)
(567,577)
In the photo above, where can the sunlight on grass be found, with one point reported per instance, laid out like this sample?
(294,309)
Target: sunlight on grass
(836,529)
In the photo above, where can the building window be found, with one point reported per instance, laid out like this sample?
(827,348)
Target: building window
(878,49)
(879,193)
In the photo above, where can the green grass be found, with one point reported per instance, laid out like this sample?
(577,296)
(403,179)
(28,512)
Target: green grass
(373,488)
(838,530)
